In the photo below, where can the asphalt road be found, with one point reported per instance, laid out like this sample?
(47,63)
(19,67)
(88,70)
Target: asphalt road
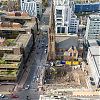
(39,58)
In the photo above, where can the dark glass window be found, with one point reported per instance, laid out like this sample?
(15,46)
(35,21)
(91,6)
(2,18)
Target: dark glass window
(63,30)
(58,29)
(70,54)
(58,11)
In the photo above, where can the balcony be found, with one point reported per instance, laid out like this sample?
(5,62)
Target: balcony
(58,16)
(8,75)
(8,72)
(9,66)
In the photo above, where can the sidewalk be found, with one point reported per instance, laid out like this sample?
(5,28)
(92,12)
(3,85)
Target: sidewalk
(6,93)
(23,80)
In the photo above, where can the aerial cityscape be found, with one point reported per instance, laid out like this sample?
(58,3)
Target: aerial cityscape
(49,49)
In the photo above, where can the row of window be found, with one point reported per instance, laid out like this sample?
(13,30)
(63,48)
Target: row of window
(60,29)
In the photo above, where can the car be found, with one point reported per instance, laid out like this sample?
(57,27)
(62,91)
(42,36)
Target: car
(45,51)
(42,43)
(2,95)
(27,87)
(91,78)
(37,78)
(34,78)
(14,96)
(42,46)
(93,83)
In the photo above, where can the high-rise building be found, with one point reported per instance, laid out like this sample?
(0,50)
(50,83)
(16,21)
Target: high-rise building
(29,6)
(65,19)
(39,7)
(93,27)
(32,7)
(93,60)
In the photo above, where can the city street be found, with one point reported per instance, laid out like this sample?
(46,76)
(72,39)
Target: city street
(39,59)
(33,74)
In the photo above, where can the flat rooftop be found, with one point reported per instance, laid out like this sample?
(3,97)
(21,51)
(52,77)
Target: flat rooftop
(60,38)
(23,39)
(26,26)
(95,50)
(94,17)
(12,57)
(11,29)
(18,17)
(6,48)
(14,66)
(93,42)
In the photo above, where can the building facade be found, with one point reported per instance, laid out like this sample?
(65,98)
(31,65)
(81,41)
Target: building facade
(29,6)
(17,31)
(32,7)
(39,8)
(87,7)
(93,60)
(65,17)
(93,27)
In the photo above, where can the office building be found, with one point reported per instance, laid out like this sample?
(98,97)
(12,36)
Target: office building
(65,19)
(32,7)
(39,7)
(93,60)
(87,7)
(29,6)
(93,27)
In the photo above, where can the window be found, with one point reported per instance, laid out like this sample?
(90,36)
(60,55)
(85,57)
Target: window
(59,19)
(29,0)
(58,29)
(58,11)
(74,54)
(37,5)
(59,24)
(71,54)
(63,30)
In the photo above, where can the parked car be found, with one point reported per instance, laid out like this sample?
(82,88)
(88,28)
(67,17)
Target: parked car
(27,87)
(45,51)
(91,78)
(92,83)
(2,95)
(14,96)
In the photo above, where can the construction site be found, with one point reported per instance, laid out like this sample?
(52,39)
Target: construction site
(68,75)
